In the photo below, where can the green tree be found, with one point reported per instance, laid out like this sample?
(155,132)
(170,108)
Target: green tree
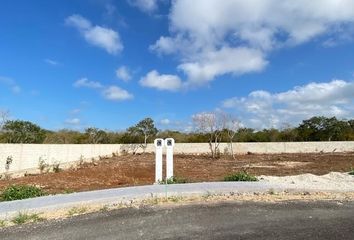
(266,135)
(197,137)
(96,136)
(18,131)
(176,135)
(142,131)
(323,129)
(114,137)
(245,135)
(65,136)
(288,133)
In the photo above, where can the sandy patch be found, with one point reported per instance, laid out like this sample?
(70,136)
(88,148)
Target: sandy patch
(330,181)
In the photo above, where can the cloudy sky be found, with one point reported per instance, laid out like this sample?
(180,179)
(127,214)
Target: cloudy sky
(105,63)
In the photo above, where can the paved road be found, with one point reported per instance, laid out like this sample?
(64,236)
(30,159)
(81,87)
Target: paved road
(291,220)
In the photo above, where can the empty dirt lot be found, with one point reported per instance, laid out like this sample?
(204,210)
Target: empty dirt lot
(139,170)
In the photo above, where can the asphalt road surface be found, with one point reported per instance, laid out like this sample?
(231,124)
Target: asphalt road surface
(286,220)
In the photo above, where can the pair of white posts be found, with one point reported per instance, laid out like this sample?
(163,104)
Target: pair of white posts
(159,145)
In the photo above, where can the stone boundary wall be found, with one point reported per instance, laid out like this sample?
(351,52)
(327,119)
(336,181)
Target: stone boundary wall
(26,157)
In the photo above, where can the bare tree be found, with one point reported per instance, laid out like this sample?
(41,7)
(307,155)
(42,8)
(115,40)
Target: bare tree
(210,123)
(232,124)
(4,116)
(129,148)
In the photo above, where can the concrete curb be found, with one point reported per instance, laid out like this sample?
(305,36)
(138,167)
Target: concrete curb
(126,195)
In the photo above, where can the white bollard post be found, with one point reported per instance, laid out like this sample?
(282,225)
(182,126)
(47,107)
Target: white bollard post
(169,143)
(159,143)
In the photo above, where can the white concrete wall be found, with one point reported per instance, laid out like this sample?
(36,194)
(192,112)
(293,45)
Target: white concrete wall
(26,157)
(266,147)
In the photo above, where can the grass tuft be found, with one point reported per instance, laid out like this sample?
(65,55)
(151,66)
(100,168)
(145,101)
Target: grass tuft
(104,208)
(77,211)
(2,223)
(22,218)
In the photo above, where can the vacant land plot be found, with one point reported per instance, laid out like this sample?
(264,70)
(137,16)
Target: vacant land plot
(139,170)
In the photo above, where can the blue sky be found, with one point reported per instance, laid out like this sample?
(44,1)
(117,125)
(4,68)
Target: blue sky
(108,64)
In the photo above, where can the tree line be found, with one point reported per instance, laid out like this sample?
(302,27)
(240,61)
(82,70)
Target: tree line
(209,127)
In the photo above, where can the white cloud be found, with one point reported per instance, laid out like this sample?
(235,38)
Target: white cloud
(165,121)
(206,34)
(11,83)
(16,89)
(116,94)
(340,35)
(110,9)
(113,93)
(105,38)
(6,80)
(123,73)
(176,125)
(75,111)
(73,121)
(51,62)
(263,109)
(147,6)
(79,22)
(226,60)
(161,81)
(84,82)
(34,92)
(166,45)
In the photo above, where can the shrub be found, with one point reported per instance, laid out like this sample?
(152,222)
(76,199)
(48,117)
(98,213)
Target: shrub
(56,167)
(242,176)
(81,161)
(68,191)
(9,161)
(351,171)
(174,180)
(17,192)
(42,165)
